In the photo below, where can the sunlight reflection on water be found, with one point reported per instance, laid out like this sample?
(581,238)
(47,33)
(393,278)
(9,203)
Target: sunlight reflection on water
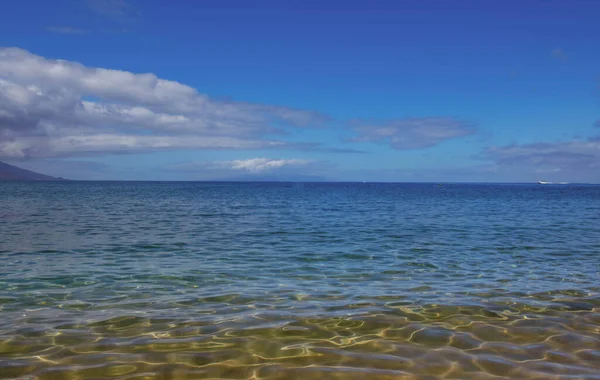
(276,281)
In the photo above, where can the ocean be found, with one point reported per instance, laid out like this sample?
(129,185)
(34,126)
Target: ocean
(179,280)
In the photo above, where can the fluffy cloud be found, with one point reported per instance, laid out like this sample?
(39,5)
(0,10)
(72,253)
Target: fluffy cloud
(412,133)
(59,108)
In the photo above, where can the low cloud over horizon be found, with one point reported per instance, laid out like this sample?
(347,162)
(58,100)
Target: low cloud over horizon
(575,160)
(250,165)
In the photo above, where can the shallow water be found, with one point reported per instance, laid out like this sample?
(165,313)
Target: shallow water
(299,281)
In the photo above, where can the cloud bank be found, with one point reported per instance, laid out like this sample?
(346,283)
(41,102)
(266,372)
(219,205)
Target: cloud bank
(56,108)
(412,133)
(576,160)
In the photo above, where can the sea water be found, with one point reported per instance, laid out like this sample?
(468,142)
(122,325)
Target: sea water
(134,280)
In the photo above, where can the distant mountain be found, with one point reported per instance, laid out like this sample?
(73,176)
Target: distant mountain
(13,173)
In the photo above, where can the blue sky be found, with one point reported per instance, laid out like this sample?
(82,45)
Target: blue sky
(423,90)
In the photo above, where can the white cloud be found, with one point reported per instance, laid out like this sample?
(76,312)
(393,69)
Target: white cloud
(61,108)
(251,169)
(257,165)
(250,165)
(412,133)
(96,144)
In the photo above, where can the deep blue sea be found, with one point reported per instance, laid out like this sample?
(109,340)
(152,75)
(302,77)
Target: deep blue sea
(167,280)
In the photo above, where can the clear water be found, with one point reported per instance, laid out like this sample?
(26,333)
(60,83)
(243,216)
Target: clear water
(299,281)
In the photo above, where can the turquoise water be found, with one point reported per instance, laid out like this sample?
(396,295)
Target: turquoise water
(299,281)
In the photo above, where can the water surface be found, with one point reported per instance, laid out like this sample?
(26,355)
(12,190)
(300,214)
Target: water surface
(299,281)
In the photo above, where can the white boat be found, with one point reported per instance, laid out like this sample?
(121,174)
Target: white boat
(544,183)
(552,183)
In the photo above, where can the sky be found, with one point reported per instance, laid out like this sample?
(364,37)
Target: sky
(390,91)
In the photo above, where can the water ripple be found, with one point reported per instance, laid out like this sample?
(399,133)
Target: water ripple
(282,281)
